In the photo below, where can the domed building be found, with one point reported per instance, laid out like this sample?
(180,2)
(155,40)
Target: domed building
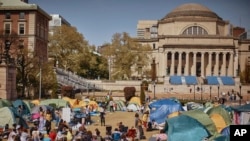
(192,45)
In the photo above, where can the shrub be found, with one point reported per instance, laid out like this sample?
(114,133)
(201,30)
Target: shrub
(129,92)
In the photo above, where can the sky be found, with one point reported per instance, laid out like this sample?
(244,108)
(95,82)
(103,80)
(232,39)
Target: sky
(99,20)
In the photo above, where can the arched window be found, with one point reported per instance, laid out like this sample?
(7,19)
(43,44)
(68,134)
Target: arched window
(195,30)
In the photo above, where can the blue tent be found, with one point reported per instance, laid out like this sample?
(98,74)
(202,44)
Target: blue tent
(19,102)
(167,101)
(242,108)
(185,128)
(162,108)
(225,131)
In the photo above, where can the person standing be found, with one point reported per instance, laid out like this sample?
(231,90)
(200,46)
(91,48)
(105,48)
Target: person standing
(145,118)
(102,116)
(111,105)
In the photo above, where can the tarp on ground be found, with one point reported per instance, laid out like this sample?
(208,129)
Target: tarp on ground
(203,118)
(56,103)
(5,103)
(185,128)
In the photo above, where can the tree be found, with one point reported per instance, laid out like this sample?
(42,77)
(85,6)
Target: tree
(128,56)
(73,53)
(67,46)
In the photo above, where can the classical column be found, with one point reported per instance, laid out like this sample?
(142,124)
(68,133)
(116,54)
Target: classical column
(187,64)
(202,64)
(172,63)
(224,64)
(164,66)
(194,64)
(216,66)
(235,63)
(179,63)
(230,66)
(209,66)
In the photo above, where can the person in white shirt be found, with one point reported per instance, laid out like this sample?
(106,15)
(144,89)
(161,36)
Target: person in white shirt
(24,135)
(12,135)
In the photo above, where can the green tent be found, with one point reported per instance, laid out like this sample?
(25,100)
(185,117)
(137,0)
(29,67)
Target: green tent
(55,103)
(203,118)
(6,117)
(185,128)
(221,111)
(5,103)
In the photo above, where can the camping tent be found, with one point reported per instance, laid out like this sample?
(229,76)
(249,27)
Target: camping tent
(6,116)
(135,100)
(19,102)
(220,116)
(167,101)
(203,118)
(185,128)
(5,103)
(161,109)
(241,114)
(55,103)
(133,107)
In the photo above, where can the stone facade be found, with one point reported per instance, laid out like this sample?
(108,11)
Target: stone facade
(193,40)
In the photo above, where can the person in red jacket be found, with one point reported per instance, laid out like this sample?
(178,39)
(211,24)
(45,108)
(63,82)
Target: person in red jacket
(52,135)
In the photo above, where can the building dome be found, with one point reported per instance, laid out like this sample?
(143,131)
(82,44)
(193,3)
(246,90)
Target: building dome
(193,10)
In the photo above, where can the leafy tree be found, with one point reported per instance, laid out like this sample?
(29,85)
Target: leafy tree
(73,53)
(127,55)
(68,46)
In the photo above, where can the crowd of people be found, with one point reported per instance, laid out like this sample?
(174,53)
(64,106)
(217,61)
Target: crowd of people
(42,129)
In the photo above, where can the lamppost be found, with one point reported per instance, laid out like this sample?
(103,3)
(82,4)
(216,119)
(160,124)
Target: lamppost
(94,89)
(240,94)
(194,91)
(154,88)
(40,78)
(218,92)
(210,92)
(201,92)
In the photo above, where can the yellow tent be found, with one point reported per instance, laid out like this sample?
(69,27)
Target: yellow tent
(66,98)
(93,105)
(36,102)
(75,103)
(218,121)
(135,100)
